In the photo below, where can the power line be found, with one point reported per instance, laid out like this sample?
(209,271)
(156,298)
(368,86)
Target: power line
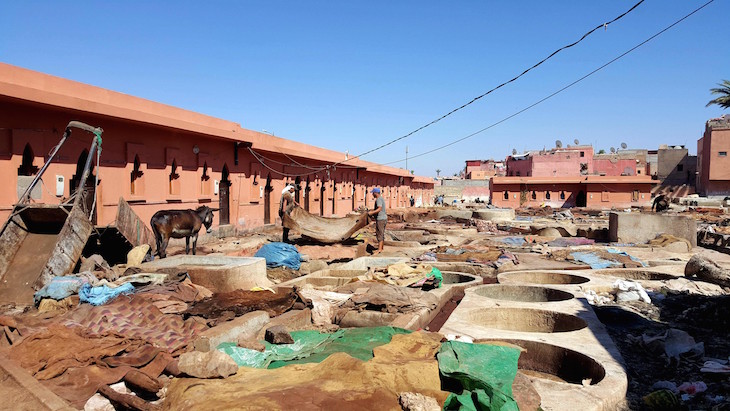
(560,90)
(603,25)
(316,170)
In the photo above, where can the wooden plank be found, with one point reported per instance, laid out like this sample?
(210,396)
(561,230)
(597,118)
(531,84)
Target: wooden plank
(132,227)
(10,240)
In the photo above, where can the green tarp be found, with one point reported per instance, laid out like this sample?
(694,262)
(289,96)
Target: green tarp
(485,373)
(314,347)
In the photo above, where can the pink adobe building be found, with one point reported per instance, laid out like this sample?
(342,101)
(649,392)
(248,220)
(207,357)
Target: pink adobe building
(157,157)
(557,162)
(599,192)
(713,163)
(483,169)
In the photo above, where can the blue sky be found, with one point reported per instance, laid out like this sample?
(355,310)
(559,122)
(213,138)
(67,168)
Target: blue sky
(352,75)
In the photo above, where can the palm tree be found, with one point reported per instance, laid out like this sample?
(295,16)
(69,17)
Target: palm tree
(724,92)
(438,172)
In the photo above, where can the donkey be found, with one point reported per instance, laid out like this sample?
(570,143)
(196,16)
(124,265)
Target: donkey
(168,224)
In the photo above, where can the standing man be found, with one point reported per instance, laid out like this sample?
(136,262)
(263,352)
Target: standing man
(380,220)
(286,204)
(413,201)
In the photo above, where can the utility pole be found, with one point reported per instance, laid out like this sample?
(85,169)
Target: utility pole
(406,158)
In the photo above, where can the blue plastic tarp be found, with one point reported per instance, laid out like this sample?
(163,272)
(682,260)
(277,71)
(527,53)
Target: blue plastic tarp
(59,288)
(280,254)
(102,294)
(593,260)
(512,240)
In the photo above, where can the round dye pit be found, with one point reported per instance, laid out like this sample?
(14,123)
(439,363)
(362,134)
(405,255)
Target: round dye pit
(634,274)
(541,277)
(547,361)
(526,320)
(452,277)
(521,293)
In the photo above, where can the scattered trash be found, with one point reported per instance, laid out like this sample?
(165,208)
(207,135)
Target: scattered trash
(674,343)
(662,400)
(280,254)
(595,299)
(102,294)
(59,288)
(630,291)
(716,367)
(692,388)
(665,385)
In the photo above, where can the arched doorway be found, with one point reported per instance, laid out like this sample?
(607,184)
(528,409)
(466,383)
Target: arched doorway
(26,167)
(89,190)
(334,196)
(267,200)
(298,189)
(306,195)
(322,196)
(224,194)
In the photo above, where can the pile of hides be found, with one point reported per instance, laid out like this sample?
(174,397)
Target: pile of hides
(280,255)
(173,297)
(406,364)
(386,298)
(404,275)
(73,363)
(136,318)
(240,302)
(323,229)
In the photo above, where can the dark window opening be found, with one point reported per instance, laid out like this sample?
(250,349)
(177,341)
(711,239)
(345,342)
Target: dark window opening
(547,195)
(174,185)
(534,195)
(722,153)
(135,176)
(26,167)
(562,195)
(582,154)
(506,195)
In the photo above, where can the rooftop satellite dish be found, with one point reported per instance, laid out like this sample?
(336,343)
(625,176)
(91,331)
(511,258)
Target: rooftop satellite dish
(558,143)
(623,145)
(576,142)
(613,149)
(514,151)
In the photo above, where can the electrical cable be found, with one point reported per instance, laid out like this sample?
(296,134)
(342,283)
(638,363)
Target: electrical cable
(558,91)
(604,25)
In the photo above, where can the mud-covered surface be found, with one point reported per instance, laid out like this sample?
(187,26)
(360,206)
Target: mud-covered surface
(706,319)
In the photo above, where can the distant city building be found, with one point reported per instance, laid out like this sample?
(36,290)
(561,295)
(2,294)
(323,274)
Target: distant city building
(713,163)
(600,192)
(557,162)
(483,169)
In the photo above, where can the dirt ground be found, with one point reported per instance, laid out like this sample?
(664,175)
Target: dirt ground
(706,319)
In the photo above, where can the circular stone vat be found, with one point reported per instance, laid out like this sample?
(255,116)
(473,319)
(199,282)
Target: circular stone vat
(522,293)
(452,277)
(541,277)
(547,361)
(635,274)
(526,320)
